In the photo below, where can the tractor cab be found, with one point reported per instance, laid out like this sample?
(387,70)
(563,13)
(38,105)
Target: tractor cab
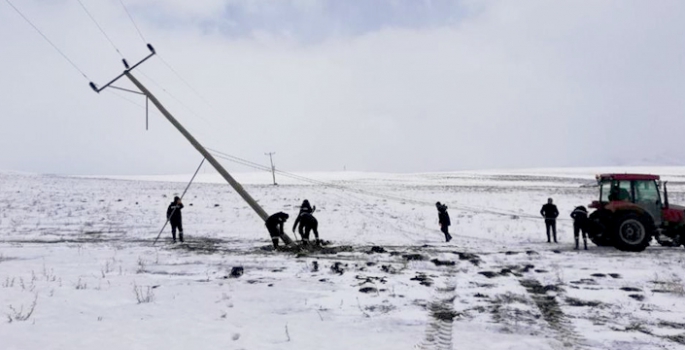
(630,192)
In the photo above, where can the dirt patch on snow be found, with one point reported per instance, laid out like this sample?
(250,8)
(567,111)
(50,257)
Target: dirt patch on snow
(583,303)
(472,258)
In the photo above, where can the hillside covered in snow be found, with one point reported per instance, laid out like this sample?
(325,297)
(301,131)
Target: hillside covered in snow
(78,268)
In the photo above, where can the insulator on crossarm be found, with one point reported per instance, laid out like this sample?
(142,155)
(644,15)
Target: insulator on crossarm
(94,87)
(152,49)
(125,63)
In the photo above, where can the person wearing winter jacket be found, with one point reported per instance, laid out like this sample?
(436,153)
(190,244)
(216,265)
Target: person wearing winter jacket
(444,220)
(173,214)
(275,226)
(580,222)
(306,207)
(308,223)
(550,213)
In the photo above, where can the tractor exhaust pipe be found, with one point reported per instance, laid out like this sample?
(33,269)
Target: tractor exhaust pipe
(665,195)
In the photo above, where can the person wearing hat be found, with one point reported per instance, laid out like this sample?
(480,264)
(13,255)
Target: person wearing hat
(274,224)
(444,220)
(550,212)
(173,214)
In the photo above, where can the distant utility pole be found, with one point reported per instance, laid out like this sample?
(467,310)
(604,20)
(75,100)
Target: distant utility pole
(273,168)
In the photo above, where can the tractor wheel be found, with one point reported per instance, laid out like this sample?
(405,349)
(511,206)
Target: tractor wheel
(632,232)
(597,229)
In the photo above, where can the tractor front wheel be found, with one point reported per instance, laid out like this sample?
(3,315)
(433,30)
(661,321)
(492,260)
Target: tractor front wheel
(632,232)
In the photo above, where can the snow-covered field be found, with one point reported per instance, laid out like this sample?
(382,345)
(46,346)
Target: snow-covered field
(78,269)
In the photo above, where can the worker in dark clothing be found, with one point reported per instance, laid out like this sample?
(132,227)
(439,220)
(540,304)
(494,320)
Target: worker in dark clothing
(173,214)
(580,222)
(444,220)
(275,226)
(306,208)
(550,213)
(614,193)
(308,223)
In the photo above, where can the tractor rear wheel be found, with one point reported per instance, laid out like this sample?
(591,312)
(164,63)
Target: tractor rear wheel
(597,229)
(632,232)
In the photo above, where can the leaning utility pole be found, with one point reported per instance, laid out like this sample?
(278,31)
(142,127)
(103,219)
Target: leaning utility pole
(231,181)
(273,168)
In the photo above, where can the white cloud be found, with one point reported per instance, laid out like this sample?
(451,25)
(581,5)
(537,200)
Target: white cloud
(528,83)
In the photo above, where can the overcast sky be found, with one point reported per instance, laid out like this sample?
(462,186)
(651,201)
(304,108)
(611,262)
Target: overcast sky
(396,86)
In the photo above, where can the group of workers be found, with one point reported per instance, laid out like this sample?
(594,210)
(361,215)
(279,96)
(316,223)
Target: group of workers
(306,223)
(550,213)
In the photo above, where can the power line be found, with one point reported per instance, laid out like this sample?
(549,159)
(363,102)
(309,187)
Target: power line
(185,82)
(189,86)
(375,217)
(344,189)
(174,71)
(363,191)
(133,21)
(48,40)
(247,162)
(313,181)
(99,27)
(173,97)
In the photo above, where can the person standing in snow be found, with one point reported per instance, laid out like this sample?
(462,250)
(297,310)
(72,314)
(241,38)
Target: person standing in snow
(307,223)
(173,214)
(444,220)
(580,220)
(275,226)
(550,213)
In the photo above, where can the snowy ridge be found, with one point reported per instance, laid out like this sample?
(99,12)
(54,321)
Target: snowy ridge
(456,177)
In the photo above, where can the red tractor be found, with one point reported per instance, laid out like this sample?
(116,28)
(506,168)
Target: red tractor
(630,211)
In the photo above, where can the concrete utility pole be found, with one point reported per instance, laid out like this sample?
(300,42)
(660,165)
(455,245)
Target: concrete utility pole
(208,156)
(273,168)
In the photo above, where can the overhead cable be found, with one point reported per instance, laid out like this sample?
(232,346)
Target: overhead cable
(48,40)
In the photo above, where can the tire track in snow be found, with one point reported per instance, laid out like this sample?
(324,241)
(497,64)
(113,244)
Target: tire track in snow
(441,316)
(552,313)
